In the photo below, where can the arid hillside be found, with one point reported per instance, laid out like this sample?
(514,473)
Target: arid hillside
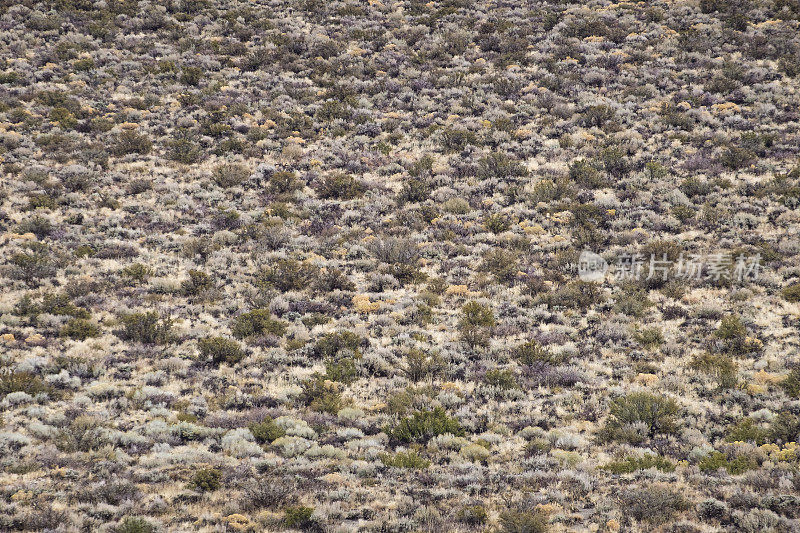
(399,266)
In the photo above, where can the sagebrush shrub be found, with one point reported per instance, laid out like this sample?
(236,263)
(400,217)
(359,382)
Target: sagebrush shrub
(340,187)
(230,174)
(135,525)
(654,504)
(206,480)
(266,431)
(257,322)
(221,350)
(476,323)
(147,328)
(286,274)
(513,521)
(410,459)
(424,424)
(321,394)
(298,517)
(791,293)
(131,142)
(632,464)
(654,414)
(21,382)
(80,329)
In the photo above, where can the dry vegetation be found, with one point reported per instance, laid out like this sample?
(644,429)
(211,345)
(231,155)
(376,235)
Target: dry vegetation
(310,265)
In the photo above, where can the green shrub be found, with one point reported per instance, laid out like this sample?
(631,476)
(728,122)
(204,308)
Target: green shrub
(455,140)
(39,226)
(501,263)
(598,116)
(21,382)
(183,149)
(586,174)
(266,431)
(321,394)
(785,428)
(51,304)
(298,517)
(497,223)
(424,424)
(655,414)
(257,322)
(633,301)
(42,201)
(130,142)
(549,190)
(230,174)
(614,162)
(716,460)
(523,522)
(286,274)
(32,266)
(502,379)
(332,344)
(632,464)
(315,319)
(333,279)
(532,352)
(206,480)
(409,459)
(649,337)
(683,213)
(137,272)
(791,293)
(476,323)
(221,350)
(340,187)
(473,515)
(791,383)
(746,430)
(500,166)
(135,525)
(693,186)
(420,365)
(456,206)
(197,283)
(83,434)
(733,334)
(341,368)
(284,182)
(191,75)
(731,328)
(414,190)
(80,329)
(736,157)
(574,295)
(147,328)
(721,366)
(653,504)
